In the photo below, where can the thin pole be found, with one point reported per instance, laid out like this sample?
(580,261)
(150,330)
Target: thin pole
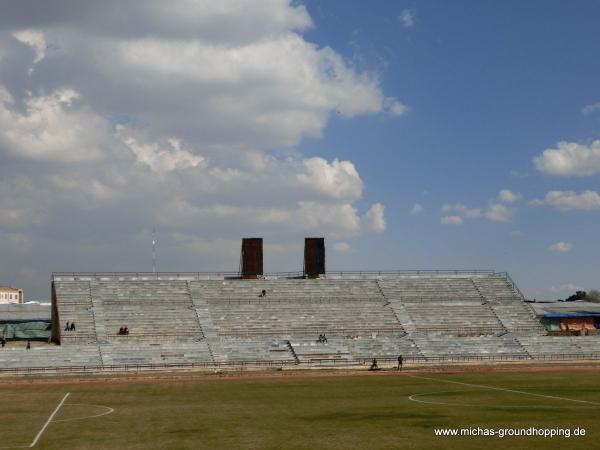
(153,250)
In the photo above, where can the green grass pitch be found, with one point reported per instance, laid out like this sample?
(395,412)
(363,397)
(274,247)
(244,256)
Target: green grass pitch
(337,412)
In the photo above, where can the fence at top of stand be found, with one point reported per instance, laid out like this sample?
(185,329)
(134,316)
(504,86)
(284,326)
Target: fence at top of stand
(228,274)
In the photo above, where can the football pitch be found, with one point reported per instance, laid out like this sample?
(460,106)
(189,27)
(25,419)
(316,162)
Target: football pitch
(370,411)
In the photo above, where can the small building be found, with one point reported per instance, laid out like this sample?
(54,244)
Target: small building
(11,295)
(27,321)
(578,317)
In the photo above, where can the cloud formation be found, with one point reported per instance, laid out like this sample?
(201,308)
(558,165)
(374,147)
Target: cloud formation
(590,109)
(456,213)
(570,200)
(462,210)
(561,247)
(374,219)
(497,212)
(570,159)
(124,115)
(342,247)
(416,209)
(407,17)
(451,220)
(508,196)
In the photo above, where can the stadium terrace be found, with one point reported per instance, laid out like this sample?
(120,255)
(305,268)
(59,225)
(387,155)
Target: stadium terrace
(314,318)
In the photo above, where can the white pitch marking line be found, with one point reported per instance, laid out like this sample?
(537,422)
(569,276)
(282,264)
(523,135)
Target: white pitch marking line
(108,410)
(431,402)
(48,421)
(412,398)
(506,390)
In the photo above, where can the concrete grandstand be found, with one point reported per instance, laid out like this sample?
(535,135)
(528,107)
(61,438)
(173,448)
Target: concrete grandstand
(200,319)
(214,320)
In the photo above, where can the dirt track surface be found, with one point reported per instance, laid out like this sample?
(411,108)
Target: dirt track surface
(190,377)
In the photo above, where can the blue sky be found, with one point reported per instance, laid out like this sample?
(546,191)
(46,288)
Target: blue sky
(489,86)
(215,121)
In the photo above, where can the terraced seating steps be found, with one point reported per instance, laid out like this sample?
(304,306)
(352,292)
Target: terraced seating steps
(75,305)
(53,356)
(155,353)
(155,309)
(178,320)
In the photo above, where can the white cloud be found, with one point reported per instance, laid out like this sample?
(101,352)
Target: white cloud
(374,219)
(166,159)
(394,107)
(397,108)
(570,159)
(508,196)
(272,92)
(228,21)
(184,115)
(462,210)
(82,190)
(589,109)
(52,128)
(335,220)
(339,179)
(561,247)
(568,200)
(416,209)
(407,17)
(342,247)
(35,39)
(222,76)
(497,212)
(451,220)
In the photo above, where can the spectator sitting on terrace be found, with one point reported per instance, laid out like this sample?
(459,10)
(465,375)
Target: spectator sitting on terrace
(28,346)
(121,331)
(126,331)
(72,326)
(67,326)
(263,293)
(3,342)
(324,339)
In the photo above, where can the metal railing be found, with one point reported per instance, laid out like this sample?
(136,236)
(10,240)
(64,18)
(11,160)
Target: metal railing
(429,361)
(514,285)
(281,298)
(461,331)
(293,274)
(346,332)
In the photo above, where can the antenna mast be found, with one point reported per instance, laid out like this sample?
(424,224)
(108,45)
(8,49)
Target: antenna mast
(153,250)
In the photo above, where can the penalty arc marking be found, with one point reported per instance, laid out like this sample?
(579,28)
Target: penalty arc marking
(108,410)
(417,398)
(506,390)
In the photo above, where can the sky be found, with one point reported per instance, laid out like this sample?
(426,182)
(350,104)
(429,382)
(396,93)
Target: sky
(411,135)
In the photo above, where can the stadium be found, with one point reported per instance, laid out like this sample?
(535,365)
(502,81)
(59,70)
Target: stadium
(299,224)
(313,318)
(293,333)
